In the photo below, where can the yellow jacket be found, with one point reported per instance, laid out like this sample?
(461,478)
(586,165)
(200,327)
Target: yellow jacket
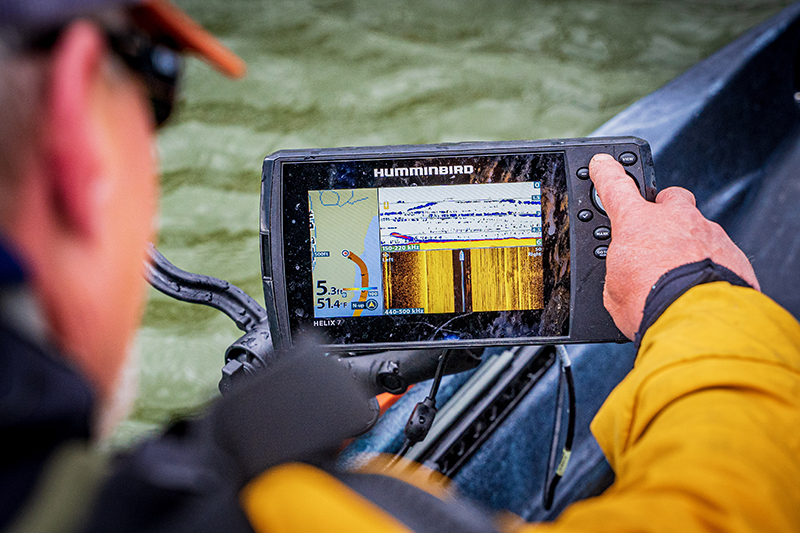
(703,435)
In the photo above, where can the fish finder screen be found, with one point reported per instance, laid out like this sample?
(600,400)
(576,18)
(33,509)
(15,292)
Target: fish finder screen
(426,249)
(423,248)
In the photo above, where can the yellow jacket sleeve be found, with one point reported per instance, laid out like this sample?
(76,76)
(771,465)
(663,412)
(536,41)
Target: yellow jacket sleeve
(296,497)
(704,433)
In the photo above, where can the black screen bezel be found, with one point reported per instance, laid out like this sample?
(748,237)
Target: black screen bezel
(552,322)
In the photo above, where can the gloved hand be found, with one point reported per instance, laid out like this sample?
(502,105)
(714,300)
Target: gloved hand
(300,409)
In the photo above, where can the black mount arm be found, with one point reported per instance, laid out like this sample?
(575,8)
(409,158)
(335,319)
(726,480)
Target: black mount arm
(394,371)
(253,350)
(204,290)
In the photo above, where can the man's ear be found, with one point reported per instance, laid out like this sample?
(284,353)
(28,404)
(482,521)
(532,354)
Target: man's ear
(74,158)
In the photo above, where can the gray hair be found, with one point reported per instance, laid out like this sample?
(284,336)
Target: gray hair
(22,95)
(23,85)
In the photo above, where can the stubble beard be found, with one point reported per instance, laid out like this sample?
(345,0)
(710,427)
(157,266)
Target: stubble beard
(118,406)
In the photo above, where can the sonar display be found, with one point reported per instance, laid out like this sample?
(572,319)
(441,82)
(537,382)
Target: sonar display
(426,249)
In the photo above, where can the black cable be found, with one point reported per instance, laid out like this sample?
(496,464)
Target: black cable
(421,419)
(552,457)
(552,479)
(437,377)
(403,450)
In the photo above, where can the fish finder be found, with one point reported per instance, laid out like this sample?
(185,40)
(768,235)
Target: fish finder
(445,245)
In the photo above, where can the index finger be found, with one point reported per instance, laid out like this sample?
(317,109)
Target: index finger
(613,184)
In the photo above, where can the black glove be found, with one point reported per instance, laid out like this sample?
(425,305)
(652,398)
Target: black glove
(301,409)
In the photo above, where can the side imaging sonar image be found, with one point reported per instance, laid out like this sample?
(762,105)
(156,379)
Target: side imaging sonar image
(462,248)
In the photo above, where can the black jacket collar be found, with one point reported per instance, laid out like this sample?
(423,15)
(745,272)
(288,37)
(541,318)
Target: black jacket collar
(10,269)
(44,403)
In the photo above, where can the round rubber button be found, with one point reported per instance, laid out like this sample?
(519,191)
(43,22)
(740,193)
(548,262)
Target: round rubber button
(627,158)
(596,201)
(601,252)
(583,173)
(602,233)
(585,215)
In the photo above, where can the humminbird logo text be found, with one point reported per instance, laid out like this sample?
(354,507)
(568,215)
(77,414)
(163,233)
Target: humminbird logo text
(422,171)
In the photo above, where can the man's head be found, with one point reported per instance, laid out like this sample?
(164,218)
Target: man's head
(83,85)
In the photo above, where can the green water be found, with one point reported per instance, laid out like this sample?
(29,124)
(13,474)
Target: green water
(338,72)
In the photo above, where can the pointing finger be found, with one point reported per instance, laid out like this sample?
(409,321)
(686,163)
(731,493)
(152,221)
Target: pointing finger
(613,184)
(676,196)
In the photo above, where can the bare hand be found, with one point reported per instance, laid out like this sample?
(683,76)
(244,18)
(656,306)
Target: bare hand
(650,239)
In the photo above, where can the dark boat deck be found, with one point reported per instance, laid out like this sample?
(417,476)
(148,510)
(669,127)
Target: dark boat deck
(768,226)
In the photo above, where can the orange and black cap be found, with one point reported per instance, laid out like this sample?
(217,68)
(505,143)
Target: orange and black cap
(160,18)
(164,17)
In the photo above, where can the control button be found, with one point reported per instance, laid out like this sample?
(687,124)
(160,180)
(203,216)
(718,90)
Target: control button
(602,233)
(601,252)
(585,215)
(627,158)
(583,173)
(596,201)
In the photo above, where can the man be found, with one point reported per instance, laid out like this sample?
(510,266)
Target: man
(84,84)
(701,434)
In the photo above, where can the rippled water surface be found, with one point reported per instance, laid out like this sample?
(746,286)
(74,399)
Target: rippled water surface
(339,72)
